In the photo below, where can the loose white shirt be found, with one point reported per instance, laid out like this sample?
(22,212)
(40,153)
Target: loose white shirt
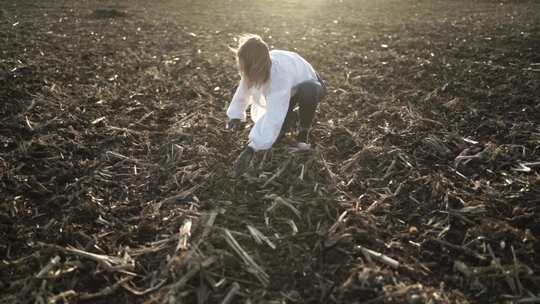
(270,102)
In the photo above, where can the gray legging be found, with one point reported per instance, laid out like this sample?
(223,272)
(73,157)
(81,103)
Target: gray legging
(308,95)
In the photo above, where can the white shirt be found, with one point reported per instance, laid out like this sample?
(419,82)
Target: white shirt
(270,103)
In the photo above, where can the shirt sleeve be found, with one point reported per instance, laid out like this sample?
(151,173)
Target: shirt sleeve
(266,130)
(240,102)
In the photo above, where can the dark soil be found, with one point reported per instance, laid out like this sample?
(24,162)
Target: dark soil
(424,186)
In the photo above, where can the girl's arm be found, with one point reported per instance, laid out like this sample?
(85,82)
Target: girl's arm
(239,103)
(266,130)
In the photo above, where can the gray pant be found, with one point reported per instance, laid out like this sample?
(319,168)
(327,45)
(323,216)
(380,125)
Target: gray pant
(308,95)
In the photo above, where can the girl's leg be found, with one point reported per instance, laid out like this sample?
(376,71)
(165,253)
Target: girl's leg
(308,93)
(291,120)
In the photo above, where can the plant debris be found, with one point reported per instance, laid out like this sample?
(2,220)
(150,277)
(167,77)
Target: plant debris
(423,184)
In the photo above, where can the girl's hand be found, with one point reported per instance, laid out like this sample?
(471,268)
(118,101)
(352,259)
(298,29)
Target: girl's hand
(301,147)
(234,124)
(241,164)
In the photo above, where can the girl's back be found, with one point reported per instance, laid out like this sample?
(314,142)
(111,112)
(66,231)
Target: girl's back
(291,64)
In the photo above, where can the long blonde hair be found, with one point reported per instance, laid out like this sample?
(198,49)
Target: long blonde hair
(253,59)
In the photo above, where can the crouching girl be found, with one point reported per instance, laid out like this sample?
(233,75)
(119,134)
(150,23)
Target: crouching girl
(273,83)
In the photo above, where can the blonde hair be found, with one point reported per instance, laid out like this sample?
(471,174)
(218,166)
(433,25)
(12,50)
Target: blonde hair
(253,59)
